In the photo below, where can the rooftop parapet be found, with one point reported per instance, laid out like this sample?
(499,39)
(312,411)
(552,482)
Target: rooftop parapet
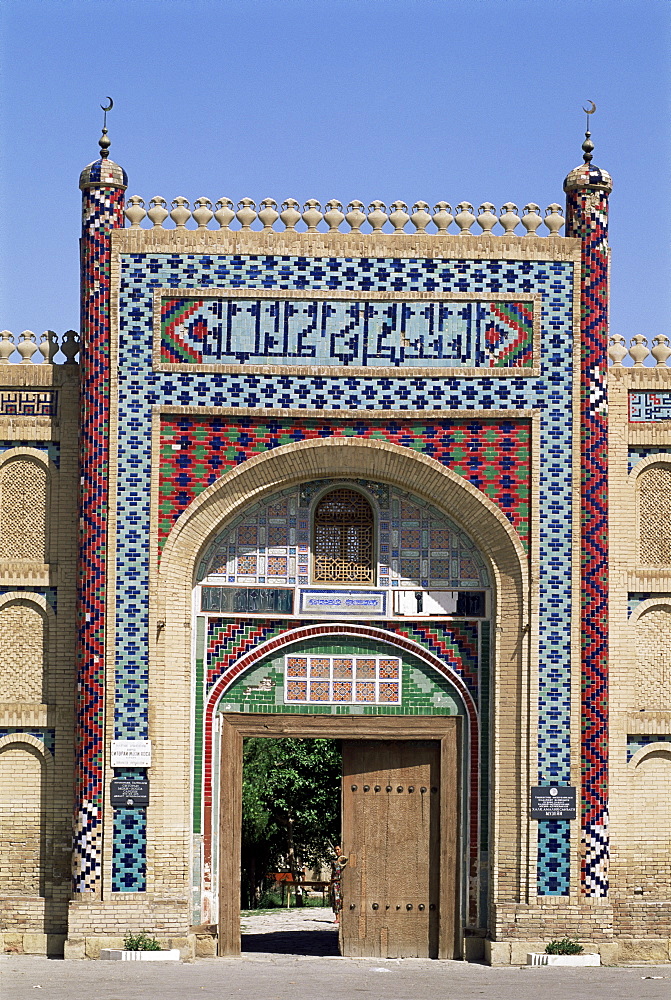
(639,352)
(312,218)
(23,348)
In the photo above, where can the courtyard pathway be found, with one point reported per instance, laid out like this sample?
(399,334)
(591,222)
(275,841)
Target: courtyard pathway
(292,955)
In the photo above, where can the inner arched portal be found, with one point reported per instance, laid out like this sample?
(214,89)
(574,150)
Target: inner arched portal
(344,548)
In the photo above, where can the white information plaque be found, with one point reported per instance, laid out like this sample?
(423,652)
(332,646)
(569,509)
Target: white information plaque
(343,602)
(130,753)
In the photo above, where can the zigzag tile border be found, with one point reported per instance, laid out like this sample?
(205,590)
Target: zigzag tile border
(102,212)
(587,212)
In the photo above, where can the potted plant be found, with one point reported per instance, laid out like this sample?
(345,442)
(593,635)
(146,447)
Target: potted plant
(140,948)
(565,951)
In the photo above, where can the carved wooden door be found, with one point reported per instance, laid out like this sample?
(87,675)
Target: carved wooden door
(391,838)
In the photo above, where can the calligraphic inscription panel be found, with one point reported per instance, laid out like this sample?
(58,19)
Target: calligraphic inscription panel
(308,331)
(649,406)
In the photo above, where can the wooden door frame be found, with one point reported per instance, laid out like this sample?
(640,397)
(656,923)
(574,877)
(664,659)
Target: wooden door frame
(447,729)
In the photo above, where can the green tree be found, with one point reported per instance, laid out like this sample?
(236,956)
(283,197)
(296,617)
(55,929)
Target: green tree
(290,807)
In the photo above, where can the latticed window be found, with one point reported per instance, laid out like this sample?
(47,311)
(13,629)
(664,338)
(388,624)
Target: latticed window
(343,538)
(23,510)
(654,516)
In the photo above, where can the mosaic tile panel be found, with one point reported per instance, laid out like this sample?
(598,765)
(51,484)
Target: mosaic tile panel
(649,406)
(639,740)
(554,857)
(129,848)
(28,403)
(345,680)
(281,525)
(493,455)
(52,448)
(141,388)
(102,212)
(46,736)
(319,331)
(50,594)
(424,691)
(587,218)
(638,453)
(637,597)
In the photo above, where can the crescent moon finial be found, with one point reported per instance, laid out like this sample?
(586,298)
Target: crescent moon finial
(588,145)
(104,142)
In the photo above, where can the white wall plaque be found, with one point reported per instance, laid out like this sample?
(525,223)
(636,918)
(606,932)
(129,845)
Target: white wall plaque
(130,753)
(359,603)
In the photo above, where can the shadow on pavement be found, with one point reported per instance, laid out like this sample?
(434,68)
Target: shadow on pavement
(320,943)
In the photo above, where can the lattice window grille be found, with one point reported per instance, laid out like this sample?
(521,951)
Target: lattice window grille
(23,510)
(343,538)
(342,679)
(653,660)
(654,516)
(272,544)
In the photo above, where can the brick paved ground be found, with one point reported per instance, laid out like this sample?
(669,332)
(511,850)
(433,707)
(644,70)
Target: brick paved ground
(293,956)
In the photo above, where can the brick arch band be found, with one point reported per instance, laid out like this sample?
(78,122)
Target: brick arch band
(344,629)
(171,617)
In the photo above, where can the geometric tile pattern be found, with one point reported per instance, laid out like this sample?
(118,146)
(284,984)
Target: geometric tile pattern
(102,212)
(638,741)
(587,212)
(141,388)
(639,452)
(129,842)
(45,736)
(649,406)
(342,679)
(28,403)
(492,455)
(86,847)
(409,530)
(233,647)
(52,448)
(304,331)
(554,857)
(129,852)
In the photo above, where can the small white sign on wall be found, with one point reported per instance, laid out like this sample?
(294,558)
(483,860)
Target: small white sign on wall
(130,753)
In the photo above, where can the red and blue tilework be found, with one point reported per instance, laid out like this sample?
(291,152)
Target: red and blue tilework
(451,648)
(230,639)
(102,212)
(587,218)
(142,388)
(183,329)
(509,334)
(492,455)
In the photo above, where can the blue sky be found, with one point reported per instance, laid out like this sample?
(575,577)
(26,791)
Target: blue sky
(389,99)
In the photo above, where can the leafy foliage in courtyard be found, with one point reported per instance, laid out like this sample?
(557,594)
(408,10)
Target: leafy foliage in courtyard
(565,946)
(290,808)
(140,942)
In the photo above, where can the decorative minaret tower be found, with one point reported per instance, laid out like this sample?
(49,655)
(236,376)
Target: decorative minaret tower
(587,189)
(102,184)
